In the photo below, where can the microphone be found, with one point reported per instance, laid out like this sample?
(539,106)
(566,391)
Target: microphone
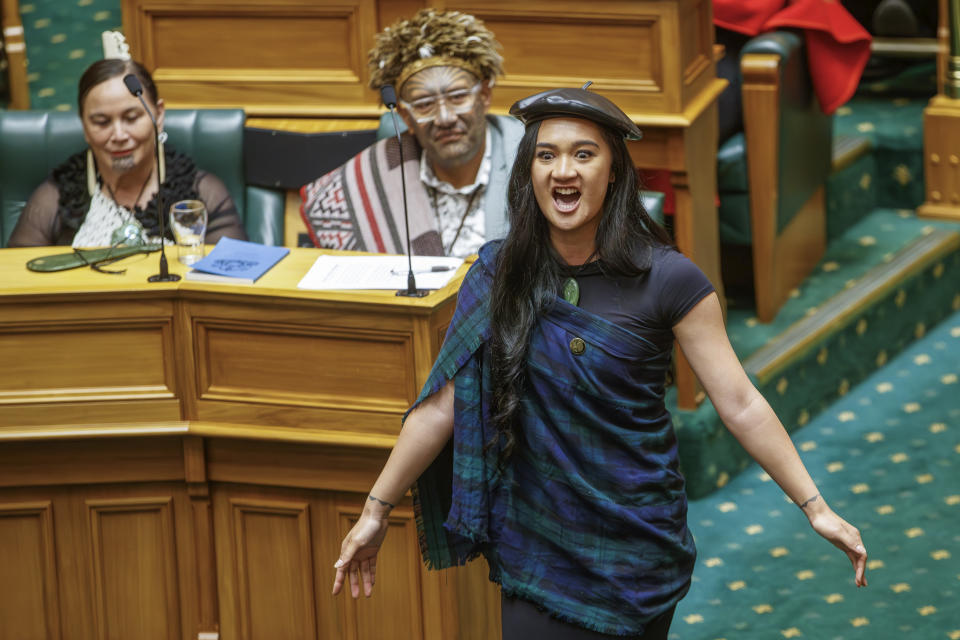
(133,85)
(136,89)
(389,97)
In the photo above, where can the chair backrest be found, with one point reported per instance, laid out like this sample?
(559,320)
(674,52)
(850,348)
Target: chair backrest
(33,143)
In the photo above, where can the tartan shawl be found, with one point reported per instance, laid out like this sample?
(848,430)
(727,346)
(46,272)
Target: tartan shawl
(588,518)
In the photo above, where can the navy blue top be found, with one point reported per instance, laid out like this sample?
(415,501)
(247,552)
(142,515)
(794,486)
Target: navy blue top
(648,306)
(588,518)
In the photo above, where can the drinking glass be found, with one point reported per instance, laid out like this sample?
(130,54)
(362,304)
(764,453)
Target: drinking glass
(188,220)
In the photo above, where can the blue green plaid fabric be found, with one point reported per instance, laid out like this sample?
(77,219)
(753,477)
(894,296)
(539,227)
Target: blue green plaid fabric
(588,519)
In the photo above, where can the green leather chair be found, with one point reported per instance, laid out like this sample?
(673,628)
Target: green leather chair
(771,178)
(32,143)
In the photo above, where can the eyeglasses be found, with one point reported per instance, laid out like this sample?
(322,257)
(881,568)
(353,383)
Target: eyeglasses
(457,101)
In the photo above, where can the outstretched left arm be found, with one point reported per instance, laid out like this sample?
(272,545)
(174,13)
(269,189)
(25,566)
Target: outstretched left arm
(750,419)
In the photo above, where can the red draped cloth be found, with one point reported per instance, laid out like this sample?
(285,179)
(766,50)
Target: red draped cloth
(837,45)
(838,48)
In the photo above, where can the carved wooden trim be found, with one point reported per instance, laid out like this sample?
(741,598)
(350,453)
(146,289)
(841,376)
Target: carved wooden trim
(198,488)
(321,398)
(61,395)
(42,512)
(300,512)
(321,84)
(162,507)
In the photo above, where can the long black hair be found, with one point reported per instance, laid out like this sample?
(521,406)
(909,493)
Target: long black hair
(527,276)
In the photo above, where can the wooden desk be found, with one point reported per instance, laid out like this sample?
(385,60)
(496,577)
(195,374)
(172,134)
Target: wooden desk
(185,457)
(306,59)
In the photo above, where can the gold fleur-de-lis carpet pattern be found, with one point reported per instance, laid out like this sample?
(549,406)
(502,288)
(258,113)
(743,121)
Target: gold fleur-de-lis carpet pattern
(887,458)
(63,39)
(870,242)
(894,168)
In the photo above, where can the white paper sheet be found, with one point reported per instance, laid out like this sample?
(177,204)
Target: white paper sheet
(378,272)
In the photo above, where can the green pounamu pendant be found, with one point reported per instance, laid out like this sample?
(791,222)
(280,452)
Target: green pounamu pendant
(571,291)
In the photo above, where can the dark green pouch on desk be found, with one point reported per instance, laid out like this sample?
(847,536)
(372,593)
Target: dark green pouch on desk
(87,257)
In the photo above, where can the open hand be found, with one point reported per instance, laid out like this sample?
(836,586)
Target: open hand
(358,555)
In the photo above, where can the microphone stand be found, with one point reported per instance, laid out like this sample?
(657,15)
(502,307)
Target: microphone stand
(389,97)
(134,86)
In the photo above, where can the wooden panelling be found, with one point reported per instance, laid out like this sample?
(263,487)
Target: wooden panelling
(82,361)
(307,366)
(291,57)
(106,560)
(651,58)
(169,528)
(696,45)
(303,58)
(134,559)
(660,148)
(478,601)
(297,363)
(29,606)
(268,416)
(390,12)
(88,461)
(81,368)
(256,40)
(274,569)
(398,585)
(293,465)
(547,44)
(530,42)
(92,411)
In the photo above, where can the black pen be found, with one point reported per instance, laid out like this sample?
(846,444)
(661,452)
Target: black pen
(434,269)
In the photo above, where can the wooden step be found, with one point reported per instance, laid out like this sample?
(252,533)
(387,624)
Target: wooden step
(847,149)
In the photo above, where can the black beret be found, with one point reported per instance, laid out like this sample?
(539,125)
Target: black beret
(577,103)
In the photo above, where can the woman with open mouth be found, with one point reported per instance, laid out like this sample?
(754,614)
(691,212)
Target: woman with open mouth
(551,382)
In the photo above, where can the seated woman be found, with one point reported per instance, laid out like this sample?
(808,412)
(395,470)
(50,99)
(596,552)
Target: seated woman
(109,192)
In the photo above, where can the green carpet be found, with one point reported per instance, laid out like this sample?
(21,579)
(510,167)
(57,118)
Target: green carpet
(894,125)
(63,39)
(863,246)
(887,457)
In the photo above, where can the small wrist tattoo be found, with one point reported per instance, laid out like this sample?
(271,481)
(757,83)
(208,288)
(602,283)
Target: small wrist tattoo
(809,500)
(373,498)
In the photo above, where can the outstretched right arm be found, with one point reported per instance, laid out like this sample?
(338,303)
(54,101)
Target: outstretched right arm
(423,436)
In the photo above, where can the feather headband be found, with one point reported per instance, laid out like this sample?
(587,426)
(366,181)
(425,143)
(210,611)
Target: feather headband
(433,38)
